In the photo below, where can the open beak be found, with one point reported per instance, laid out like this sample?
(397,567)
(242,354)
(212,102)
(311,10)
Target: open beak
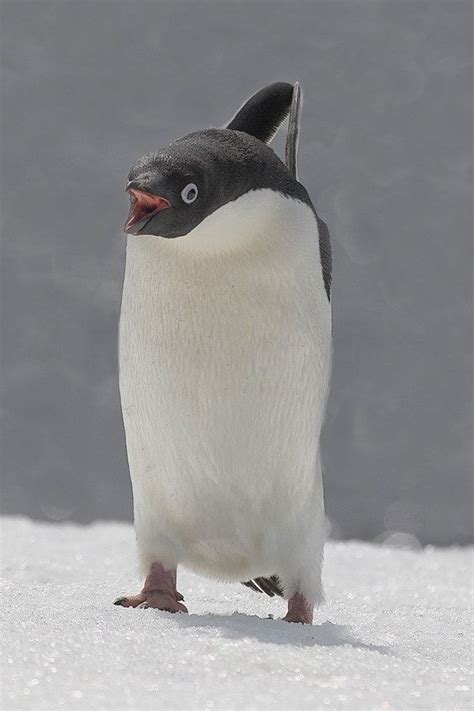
(143,206)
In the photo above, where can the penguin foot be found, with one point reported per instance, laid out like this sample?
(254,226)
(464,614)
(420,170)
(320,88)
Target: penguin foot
(163,601)
(131,600)
(299,610)
(159,592)
(154,598)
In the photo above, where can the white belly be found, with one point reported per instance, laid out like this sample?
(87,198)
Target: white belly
(224,368)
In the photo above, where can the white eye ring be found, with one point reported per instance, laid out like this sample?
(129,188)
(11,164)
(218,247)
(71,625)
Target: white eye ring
(189,193)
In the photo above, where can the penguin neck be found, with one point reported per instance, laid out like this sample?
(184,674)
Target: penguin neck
(260,223)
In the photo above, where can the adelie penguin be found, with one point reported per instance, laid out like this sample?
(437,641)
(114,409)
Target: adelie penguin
(224,352)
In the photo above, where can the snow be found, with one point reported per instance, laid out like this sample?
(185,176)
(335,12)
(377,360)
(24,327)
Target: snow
(394,634)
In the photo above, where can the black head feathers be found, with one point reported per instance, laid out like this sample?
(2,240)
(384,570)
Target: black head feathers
(173,190)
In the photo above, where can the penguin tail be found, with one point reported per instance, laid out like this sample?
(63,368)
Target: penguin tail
(270,586)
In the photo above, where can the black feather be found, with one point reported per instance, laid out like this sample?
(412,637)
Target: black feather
(326,254)
(270,586)
(266,586)
(262,114)
(250,584)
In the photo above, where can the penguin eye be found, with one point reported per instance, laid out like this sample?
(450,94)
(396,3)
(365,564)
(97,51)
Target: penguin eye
(189,193)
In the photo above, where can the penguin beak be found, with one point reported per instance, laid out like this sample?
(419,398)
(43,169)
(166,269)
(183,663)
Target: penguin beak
(143,206)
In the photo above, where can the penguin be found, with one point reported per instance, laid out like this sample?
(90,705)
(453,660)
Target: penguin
(224,361)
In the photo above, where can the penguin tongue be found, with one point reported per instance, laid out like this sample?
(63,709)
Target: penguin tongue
(143,206)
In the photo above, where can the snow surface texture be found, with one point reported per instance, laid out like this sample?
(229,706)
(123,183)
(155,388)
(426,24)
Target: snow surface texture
(393,635)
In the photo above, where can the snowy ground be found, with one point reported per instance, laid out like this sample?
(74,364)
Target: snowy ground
(395,633)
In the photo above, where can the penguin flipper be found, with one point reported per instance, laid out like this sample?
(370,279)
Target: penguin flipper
(325,252)
(291,148)
(270,586)
(264,112)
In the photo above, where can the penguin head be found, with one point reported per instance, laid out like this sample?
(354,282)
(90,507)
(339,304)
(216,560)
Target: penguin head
(170,192)
(175,189)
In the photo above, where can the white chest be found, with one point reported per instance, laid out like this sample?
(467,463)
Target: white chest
(224,365)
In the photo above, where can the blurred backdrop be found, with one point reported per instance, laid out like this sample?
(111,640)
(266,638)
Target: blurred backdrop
(385,152)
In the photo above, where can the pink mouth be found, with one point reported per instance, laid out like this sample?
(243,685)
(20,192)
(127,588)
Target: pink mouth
(143,206)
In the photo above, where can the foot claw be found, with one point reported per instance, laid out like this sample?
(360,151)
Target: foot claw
(158,592)
(130,600)
(297,620)
(162,601)
(157,600)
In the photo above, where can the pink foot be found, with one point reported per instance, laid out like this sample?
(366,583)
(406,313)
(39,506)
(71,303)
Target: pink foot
(162,601)
(299,610)
(159,592)
(131,600)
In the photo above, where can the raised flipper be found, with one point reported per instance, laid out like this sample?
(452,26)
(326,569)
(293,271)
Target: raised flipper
(262,115)
(291,148)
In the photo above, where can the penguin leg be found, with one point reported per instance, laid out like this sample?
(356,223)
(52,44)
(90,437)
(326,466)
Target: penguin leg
(299,610)
(159,591)
(303,587)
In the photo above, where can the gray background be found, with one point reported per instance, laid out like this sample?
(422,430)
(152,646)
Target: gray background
(88,86)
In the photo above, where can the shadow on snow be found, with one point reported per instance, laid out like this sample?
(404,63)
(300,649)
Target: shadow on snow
(271,631)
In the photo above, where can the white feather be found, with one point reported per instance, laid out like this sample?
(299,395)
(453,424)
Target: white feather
(224,367)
